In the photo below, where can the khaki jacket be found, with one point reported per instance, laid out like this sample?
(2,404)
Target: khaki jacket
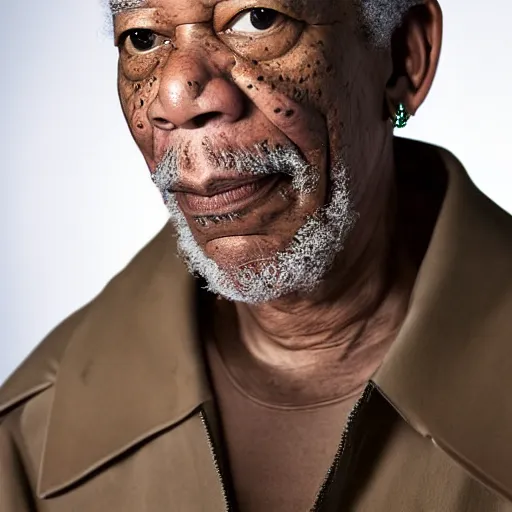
(113,411)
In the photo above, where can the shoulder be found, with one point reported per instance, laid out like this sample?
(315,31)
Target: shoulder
(39,370)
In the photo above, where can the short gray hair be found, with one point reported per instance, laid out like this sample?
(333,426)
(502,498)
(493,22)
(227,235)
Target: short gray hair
(122,5)
(380,18)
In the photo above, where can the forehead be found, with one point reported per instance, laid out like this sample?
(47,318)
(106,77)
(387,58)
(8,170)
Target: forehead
(298,6)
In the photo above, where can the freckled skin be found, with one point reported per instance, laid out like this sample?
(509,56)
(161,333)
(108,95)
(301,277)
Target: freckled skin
(314,82)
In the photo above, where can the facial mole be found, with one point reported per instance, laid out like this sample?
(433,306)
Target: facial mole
(260,79)
(277,111)
(140,126)
(141,103)
(255,62)
(289,113)
(250,86)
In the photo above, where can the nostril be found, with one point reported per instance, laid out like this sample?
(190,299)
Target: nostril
(162,123)
(200,120)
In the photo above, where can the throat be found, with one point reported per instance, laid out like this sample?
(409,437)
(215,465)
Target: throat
(300,370)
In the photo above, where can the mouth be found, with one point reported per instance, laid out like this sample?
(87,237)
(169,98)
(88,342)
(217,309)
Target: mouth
(228,201)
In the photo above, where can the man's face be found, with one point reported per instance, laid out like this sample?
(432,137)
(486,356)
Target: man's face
(252,116)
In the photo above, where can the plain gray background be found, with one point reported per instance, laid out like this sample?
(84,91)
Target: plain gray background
(76,199)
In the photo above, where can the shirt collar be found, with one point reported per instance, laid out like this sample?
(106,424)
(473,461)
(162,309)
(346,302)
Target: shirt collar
(133,366)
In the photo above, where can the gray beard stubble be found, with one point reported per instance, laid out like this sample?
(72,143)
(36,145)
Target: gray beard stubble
(303,264)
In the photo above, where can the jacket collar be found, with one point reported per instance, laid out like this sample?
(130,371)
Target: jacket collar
(133,367)
(449,371)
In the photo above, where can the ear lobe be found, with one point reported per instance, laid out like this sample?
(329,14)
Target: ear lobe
(415,51)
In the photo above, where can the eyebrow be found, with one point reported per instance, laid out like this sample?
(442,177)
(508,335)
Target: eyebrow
(117,6)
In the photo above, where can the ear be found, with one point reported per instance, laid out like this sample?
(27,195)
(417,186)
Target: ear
(415,50)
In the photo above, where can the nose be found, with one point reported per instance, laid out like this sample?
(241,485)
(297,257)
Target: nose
(194,91)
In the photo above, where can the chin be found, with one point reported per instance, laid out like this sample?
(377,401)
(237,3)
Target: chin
(240,268)
(236,252)
(261,269)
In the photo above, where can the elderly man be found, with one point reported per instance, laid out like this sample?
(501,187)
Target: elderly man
(346,345)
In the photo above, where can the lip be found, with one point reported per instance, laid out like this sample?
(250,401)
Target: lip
(231,198)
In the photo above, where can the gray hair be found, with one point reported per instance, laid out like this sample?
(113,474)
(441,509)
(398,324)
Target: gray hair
(379,18)
(116,6)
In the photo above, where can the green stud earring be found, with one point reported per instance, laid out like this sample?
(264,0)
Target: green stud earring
(401,117)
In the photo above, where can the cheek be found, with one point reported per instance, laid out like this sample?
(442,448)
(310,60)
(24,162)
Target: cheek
(305,77)
(139,67)
(343,86)
(289,91)
(136,96)
(305,73)
(355,98)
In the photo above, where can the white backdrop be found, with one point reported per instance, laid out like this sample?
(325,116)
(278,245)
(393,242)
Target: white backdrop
(76,199)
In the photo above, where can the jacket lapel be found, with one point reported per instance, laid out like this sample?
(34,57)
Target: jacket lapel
(132,368)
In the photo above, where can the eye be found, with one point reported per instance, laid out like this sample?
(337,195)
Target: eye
(254,20)
(257,33)
(141,40)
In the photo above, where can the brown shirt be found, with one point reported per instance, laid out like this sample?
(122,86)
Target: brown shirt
(279,455)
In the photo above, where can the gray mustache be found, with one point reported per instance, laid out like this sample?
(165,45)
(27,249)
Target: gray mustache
(260,159)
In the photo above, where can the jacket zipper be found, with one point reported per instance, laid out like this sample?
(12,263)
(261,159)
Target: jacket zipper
(340,451)
(330,473)
(204,421)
